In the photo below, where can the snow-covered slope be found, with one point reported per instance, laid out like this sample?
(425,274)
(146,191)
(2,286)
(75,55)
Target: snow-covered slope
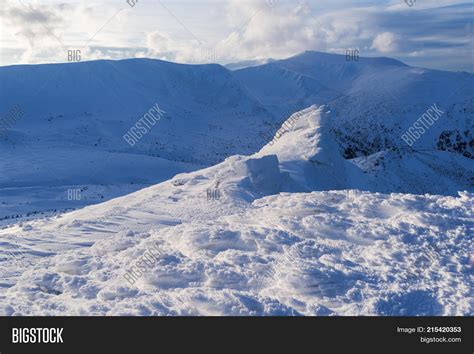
(256,250)
(419,172)
(93,104)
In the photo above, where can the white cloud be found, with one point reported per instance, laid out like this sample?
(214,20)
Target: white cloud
(159,43)
(385,42)
(285,29)
(161,46)
(35,28)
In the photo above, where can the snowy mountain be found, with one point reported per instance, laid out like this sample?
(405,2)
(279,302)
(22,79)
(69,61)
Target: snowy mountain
(93,104)
(375,100)
(243,238)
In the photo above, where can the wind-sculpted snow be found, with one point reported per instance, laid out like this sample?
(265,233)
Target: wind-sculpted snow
(322,253)
(262,248)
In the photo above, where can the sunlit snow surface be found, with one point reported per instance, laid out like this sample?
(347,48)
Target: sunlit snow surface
(268,246)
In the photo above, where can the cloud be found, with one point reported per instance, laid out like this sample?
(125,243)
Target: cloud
(31,22)
(35,28)
(291,27)
(161,46)
(261,30)
(385,42)
(37,33)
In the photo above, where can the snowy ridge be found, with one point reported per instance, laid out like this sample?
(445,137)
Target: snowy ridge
(308,152)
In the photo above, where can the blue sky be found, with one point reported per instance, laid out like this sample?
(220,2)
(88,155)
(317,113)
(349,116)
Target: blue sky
(429,33)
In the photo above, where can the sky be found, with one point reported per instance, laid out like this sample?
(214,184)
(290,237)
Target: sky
(428,33)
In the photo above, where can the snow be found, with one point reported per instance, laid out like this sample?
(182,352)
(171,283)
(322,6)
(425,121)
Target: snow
(320,253)
(277,242)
